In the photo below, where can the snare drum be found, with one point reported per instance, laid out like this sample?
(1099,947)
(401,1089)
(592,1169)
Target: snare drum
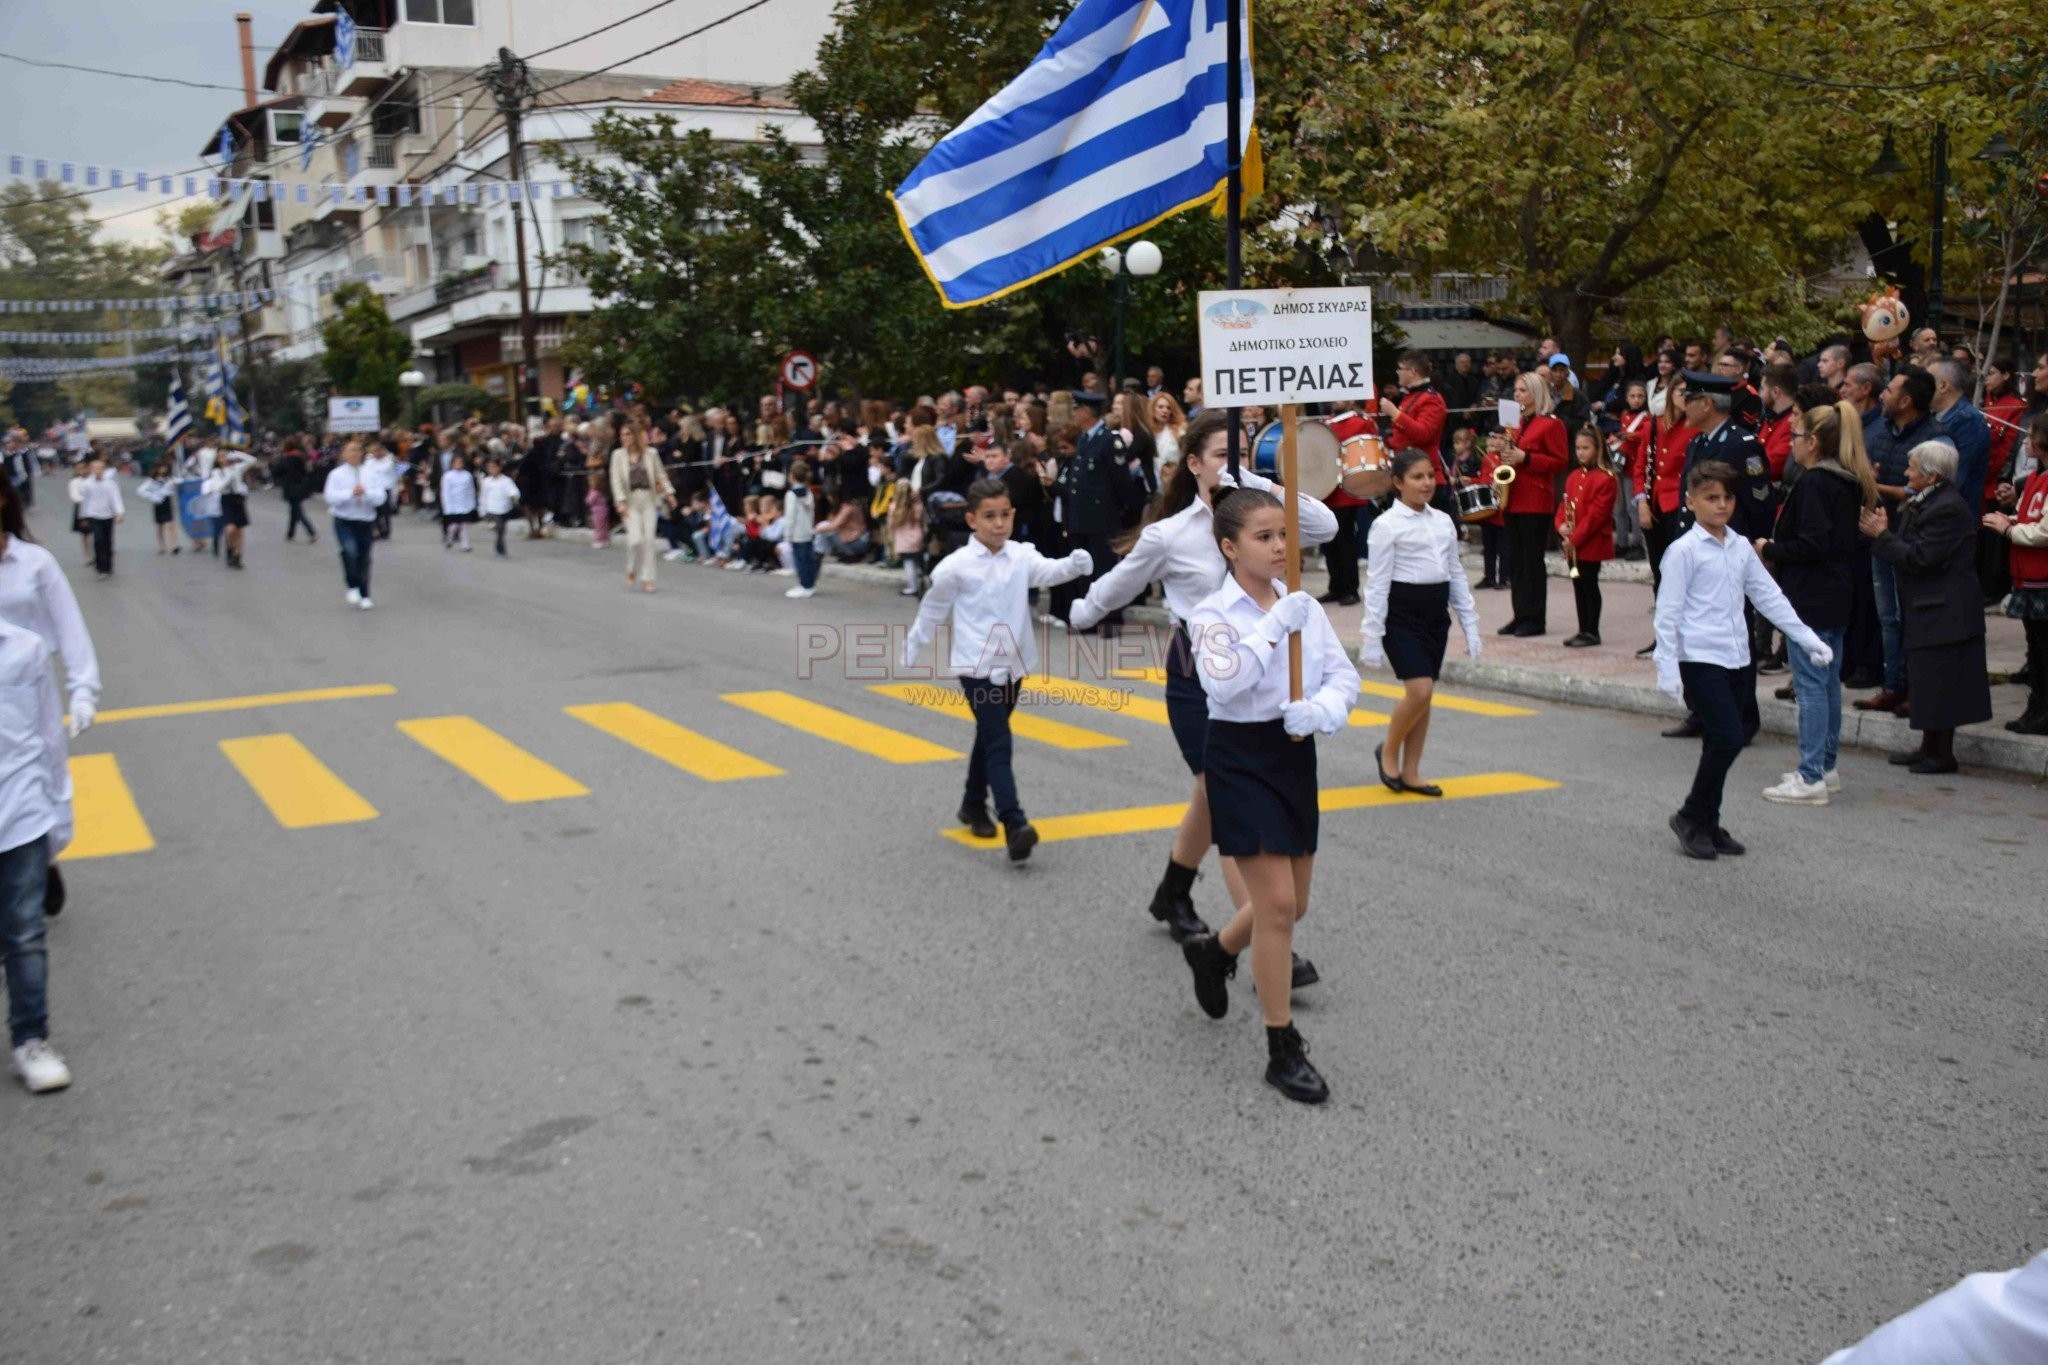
(1478,502)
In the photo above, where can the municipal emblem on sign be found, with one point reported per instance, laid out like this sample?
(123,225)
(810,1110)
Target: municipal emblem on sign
(799,370)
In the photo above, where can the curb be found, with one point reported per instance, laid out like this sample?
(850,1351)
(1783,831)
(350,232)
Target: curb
(1880,732)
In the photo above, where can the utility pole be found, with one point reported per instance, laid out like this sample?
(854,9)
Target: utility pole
(512,85)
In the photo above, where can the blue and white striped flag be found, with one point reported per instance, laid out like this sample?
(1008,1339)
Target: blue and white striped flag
(344,38)
(177,413)
(1118,123)
(721,526)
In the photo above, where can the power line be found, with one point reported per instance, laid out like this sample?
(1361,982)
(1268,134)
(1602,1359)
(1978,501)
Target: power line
(124,75)
(705,28)
(658,4)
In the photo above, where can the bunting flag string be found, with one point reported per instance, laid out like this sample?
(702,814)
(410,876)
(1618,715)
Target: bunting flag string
(34,369)
(247,301)
(189,332)
(80,175)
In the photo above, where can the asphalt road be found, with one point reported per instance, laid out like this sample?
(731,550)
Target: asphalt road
(768,1069)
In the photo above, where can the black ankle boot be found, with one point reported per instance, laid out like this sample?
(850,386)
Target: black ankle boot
(1173,904)
(975,817)
(1213,969)
(1021,838)
(1288,1069)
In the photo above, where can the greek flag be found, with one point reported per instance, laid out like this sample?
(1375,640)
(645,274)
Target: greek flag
(722,528)
(1118,123)
(177,415)
(344,39)
(223,407)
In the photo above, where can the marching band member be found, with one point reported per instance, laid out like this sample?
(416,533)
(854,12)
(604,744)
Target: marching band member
(983,587)
(1176,547)
(1538,450)
(1586,522)
(1260,767)
(1413,580)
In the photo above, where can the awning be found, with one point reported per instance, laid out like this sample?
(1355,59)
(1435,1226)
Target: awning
(1461,334)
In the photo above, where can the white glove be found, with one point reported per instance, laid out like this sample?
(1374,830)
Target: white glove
(1224,480)
(1081,561)
(1329,717)
(1247,477)
(1671,685)
(81,716)
(1471,644)
(1300,717)
(1084,615)
(1288,615)
(1821,655)
(1371,654)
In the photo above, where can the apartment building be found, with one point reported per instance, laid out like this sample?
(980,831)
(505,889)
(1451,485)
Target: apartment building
(403,104)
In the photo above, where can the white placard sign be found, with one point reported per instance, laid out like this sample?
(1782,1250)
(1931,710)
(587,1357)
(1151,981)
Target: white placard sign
(353,414)
(1266,346)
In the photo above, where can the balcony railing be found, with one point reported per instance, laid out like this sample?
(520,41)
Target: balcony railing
(370,45)
(383,151)
(452,287)
(329,77)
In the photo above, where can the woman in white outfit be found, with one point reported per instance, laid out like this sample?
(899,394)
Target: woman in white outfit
(641,488)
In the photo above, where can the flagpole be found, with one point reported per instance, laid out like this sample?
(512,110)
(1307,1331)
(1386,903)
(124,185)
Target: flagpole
(1233,193)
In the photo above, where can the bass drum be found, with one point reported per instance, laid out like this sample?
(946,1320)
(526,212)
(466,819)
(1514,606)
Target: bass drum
(1316,455)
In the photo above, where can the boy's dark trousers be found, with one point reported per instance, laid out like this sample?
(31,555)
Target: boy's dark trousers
(1340,554)
(988,767)
(1493,550)
(102,543)
(1586,597)
(1714,694)
(296,519)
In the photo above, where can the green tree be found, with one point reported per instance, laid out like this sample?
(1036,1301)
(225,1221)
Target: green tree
(366,351)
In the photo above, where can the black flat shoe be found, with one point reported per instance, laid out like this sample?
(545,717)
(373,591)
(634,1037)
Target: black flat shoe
(1021,839)
(1392,784)
(1908,759)
(1509,629)
(1421,788)
(1177,913)
(1647,650)
(1212,968)
(1581,641)
(1339,599)
(1688,728)
(1305,973)
(1288,1069)
(1529,632)
(1784,693)
(1726,844)
(1930,766)
(1693,841)
(977,821)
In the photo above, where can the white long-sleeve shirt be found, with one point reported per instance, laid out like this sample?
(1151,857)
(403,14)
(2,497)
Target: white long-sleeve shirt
(1407,546)
(35,596)
(383,468)
(35,781)
(1699,607)
(1180,554)
(499,495)
(1246,678)
(1987,1319)
(985,593)
(155,490)
(100,499)
(458,492)
(227,474)
(352,493)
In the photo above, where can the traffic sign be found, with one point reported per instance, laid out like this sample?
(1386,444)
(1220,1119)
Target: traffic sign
(799,370)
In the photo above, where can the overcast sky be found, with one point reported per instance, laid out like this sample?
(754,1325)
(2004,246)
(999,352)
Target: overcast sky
(139,125)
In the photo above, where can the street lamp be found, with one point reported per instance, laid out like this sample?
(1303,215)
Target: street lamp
(411,381)
(1888,165)
(1143,259)
(1998,149)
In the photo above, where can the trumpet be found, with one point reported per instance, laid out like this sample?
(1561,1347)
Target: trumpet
(1571,524)
(1503,478)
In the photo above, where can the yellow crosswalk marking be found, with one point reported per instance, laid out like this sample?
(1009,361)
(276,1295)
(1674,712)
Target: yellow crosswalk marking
(1143,819)
(300,790)
(105,818)
(195,708)
(934,696)
(878,741)
(671,743)
(1157,677)
(1117,701)
(1442,702)
(508,771)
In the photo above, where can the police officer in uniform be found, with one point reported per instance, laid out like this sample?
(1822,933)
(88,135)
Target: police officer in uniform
(1096,491)
(1709,403)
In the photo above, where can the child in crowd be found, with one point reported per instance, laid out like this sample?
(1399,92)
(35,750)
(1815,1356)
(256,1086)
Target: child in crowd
(160,491)
(697,525)
(906,534)
(1585,522)
(458,503)
(36,787)
(771,541)
(1465,453)
(499,497)
(78,527)
(1259,766)
(983,589)
(1703,644)
(749,547)
(597,502)
(1493,532)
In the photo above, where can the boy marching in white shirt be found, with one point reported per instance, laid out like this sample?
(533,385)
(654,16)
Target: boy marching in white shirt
(499,497)
(352,494)
(35,826)
(1703,644)
(984,587)
(1260,765)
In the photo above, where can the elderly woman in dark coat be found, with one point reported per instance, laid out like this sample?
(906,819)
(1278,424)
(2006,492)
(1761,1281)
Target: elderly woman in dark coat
(1933,549)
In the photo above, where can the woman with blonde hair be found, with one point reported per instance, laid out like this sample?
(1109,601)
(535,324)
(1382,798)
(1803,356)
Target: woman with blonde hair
(641,489)
(1538,449)
(1169,427)
(1812,550)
